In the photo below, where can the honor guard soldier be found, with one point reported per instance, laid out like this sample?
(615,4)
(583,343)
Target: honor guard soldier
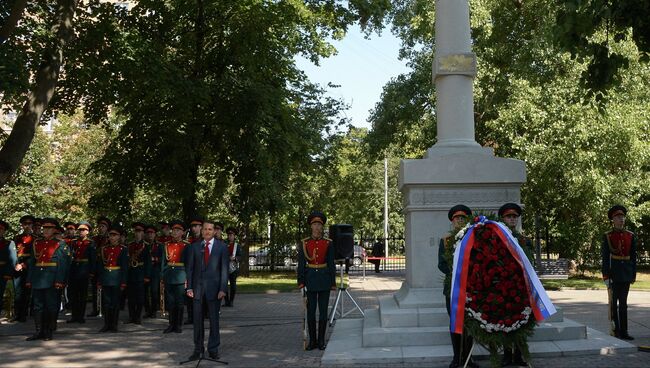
(618,250)
(101,239)
(24,242)
(165,232)
(509,214)
(152,289)
(461,344)
(234,254)
(317,274)
(196,223)
(7,260)
(111,277)
(139,273)
(48,265)
(70,233)
(82,269)
(174,277)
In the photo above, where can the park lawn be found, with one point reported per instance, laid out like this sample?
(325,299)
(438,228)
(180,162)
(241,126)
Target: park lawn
(593,282)
(270,282)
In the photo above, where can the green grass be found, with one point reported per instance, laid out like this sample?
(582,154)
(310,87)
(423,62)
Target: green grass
(269,282)
(590,283)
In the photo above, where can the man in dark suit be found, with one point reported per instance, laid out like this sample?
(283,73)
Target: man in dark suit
(207,277)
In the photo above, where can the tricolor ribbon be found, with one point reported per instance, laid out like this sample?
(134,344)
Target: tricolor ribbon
(540,302)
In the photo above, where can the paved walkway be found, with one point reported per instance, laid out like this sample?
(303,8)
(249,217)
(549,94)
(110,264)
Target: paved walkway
(264,330)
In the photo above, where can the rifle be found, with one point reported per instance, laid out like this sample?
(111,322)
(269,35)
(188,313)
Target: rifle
(162,299)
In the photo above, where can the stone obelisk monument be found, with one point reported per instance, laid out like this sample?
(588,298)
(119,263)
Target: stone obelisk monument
(456,170)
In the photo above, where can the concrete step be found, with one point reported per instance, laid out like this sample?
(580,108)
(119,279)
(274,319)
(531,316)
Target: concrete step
(393,316)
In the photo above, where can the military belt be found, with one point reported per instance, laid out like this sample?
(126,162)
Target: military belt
(45,264)
(2,263)
(137,264)
(179,264)
(24,255)
(112,268)
(80,260)
(621,258)
(321,265)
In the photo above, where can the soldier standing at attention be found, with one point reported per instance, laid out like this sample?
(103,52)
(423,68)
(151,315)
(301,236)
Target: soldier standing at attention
(101,239)
(139,273)
(24,242)
(461,344)
(618,251)
(7,260)
(84,261)
(48,264)
(174,277)
(111,277)
(317,274)
(234,254)
(70,233)
(509,213)
(152,289)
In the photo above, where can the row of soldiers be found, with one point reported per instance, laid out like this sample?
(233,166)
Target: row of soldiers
(46,259)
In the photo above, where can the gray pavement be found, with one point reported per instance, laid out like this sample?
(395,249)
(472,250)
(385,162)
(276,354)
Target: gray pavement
(264,330)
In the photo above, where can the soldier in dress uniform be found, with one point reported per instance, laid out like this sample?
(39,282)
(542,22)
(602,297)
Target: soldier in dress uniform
(461,344)
(24,242)
(139,273)
(165,232)
(7,260)
(196,223)
(101,239)
(59,235)
(48,266)
(618,250)
(316,273)
(510,213)
(234,253)
(152,289)
(112,270)
(174,277)
(70,232)
(82,268)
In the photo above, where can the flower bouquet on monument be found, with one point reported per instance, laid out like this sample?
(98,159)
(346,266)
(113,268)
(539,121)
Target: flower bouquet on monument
(496,295)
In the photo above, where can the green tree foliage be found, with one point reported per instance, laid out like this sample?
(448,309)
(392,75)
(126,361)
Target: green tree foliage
(582,154)
(593,30)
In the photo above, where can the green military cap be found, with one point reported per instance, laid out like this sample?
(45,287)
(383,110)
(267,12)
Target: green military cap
(316,216)
(616,210)
(510,209)
(459,210)
(27,218)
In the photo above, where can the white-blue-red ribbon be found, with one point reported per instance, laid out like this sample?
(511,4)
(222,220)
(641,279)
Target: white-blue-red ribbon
(539,301)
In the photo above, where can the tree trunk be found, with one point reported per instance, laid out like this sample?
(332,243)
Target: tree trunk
(47,75)
(12,20)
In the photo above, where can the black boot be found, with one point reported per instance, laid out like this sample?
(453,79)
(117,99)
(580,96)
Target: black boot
(179,320)
(53,319)
(171,316)
(517,359)
(190,311)
(115,314)
(38,319)
(322,326)
(313,342)
(226,300)
(138,315)
(107,321)
(465,353)
(49,323)
(455,344)
(232,297)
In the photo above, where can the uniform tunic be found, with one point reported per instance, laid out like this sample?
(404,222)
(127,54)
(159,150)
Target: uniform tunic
(173,273)
(24,243)
(152,289)
(139,270)
(48,266)
(83,264)
(112,273)
(7,264)
(317,272)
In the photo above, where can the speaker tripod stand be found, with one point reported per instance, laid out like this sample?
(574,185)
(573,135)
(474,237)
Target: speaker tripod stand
(202,358)
(339,298)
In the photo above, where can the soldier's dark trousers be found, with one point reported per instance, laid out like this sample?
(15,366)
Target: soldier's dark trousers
(111,306)
(135,294)
(46,306)
(93,292)
(230,295)
(320,299)
(620,290)
(175,299)
(78,293)
(21,296)
(152,297)
(461,344)
(3,286)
